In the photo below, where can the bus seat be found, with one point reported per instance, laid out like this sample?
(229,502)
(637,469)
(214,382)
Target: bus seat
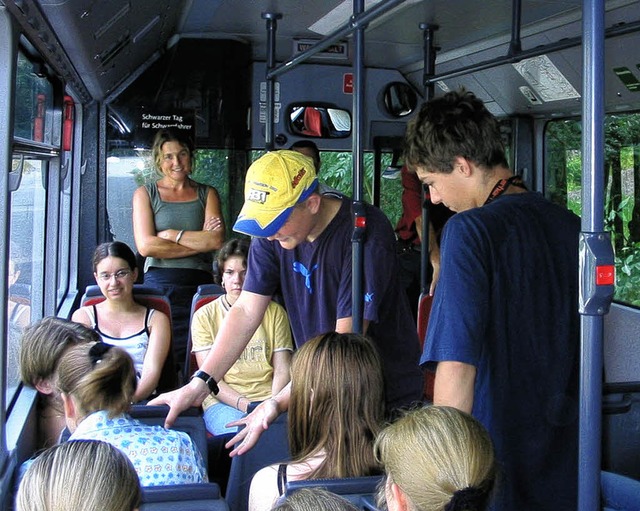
(424,310)
(151,297)
(272,447)
(351,488)
(194,497)
(619,493)
(312,122)
(205,293)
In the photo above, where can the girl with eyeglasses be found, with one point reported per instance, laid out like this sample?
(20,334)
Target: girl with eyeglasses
(144,333)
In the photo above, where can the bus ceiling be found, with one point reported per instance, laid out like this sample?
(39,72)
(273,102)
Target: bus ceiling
(112,43)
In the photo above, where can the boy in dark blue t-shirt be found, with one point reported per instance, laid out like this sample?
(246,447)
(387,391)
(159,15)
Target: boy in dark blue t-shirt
(503,333)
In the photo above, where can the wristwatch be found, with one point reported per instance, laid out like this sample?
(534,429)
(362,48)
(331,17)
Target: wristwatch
(211,383)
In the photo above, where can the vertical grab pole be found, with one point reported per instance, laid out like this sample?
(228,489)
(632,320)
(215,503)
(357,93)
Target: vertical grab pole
(358,208)
(596,266)
(272,27)
(429,70)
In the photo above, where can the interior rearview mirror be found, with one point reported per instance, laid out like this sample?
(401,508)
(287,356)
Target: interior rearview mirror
(315,121)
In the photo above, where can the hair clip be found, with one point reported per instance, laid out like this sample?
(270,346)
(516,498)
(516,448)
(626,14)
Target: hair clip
(470,498)
(97,351)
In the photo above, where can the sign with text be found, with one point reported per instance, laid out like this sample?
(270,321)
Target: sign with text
(336,51)
(149,122)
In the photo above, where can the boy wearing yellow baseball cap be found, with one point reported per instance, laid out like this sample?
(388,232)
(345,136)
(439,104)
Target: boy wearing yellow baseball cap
(303,247)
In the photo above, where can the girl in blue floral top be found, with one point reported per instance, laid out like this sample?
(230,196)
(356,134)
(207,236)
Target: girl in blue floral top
(97,383)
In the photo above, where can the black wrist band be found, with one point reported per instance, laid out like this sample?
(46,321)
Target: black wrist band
(211,383)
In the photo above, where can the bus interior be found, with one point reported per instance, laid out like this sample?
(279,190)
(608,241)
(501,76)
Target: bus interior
(84,84)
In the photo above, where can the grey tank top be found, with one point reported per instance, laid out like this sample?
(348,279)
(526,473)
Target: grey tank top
(179,215)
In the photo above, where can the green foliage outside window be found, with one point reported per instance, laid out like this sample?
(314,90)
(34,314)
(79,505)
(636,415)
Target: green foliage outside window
(336,172)
(563,172)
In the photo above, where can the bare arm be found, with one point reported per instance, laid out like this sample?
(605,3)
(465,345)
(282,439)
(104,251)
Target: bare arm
(154,358)
(148,242)
(434,252)
(227,395)
(454,385)
(281,362)
(345,325)
(434,258)
(231,397)
(237,329)
(211,237)
(81,316)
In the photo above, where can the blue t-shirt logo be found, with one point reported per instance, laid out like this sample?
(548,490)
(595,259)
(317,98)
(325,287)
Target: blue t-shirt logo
(300,268)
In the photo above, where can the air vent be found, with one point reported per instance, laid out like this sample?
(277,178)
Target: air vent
(111,53)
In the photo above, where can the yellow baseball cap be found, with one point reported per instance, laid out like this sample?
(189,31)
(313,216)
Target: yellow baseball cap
(275,183)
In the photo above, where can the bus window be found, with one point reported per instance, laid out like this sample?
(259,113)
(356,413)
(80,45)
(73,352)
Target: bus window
(563,170)
(336,173)
(34,103)
(25,279)
(34,122)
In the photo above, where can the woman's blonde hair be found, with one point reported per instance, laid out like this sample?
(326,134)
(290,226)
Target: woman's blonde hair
(98,377)
(440,457)
(337,404)
(80,474)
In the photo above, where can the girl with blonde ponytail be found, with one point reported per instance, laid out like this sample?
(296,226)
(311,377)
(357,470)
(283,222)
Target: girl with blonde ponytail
(97,383)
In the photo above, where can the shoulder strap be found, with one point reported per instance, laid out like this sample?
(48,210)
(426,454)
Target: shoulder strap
(154,195)
(282,478)
(147,318)
(203,192)
(93,316)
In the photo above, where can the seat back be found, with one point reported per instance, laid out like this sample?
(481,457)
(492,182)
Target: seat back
(155,298)
(179,497)
(619,492)
(272,447)
(351,488)
(205,294)
(424,310)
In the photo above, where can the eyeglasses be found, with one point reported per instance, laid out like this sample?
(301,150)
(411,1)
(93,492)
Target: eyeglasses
(119,275)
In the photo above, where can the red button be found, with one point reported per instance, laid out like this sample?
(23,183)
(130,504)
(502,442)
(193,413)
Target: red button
(361,222)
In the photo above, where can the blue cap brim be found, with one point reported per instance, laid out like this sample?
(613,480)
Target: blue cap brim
(251,227)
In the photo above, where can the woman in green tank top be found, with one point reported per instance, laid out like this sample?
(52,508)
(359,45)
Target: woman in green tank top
(177,224)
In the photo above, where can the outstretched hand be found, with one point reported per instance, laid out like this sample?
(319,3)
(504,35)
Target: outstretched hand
(181,399)
(254,424)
